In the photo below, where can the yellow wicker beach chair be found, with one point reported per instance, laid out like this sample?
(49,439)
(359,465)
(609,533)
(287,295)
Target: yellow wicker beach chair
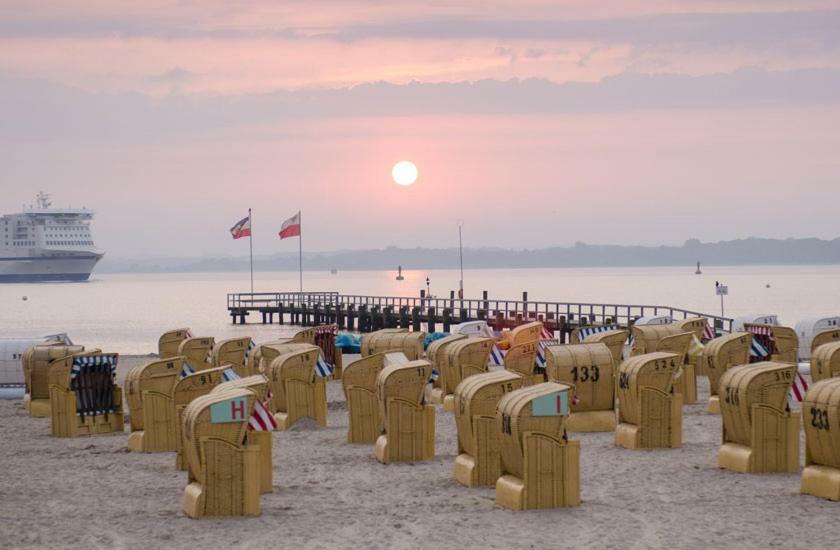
(148,390)
(825,361)
(410,343)
(170,341)
(464,358)
(296,388)
(408,424)
(36,362)
(359,384)
(540,466)
(649,412)
(589,369)
(720,354)
(821,418)
(760,434)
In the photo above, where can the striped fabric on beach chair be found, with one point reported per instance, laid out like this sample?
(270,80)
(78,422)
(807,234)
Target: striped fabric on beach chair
(92,378)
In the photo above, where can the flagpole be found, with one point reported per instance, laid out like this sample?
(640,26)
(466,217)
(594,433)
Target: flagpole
(300,250)
(251,246)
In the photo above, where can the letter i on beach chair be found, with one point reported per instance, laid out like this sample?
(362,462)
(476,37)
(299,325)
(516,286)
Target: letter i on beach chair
(408,423)
(223,468)
(540,466)
(84,397)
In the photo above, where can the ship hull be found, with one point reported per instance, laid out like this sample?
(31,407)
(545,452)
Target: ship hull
(75,268)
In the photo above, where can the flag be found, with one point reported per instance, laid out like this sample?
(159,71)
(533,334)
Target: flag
(799,387)
(229,375)
(695,348)
(186,370)
(251,347)
(435,375)
(242,228)
(322,368)
(497,356)
(261,419)
(708,331)
(584,332)
(290,227)
(757,349)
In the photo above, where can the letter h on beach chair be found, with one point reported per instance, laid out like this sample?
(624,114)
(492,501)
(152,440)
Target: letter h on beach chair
(260,425)
(408,423)
(540,466)
(359,384)
(84,398)
(297,389)
(148,391)
(223,469)
(478,462)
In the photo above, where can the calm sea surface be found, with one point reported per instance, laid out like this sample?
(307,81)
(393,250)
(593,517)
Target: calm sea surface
(127,313)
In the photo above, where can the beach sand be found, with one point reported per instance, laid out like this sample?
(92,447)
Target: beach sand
(93,493)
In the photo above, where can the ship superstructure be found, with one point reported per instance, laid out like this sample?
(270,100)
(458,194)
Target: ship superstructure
(43,243)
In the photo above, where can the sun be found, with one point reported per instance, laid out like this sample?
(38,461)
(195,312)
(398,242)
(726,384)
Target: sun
(404,172)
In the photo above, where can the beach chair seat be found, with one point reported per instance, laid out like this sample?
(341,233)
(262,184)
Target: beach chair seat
(222,464)
(464,358)
(590,370)
(825,361)
(540,467)
(148,390)
(521,359)
(325,336)
(260,424)
(297,389)
(198,352)
(185,390)
(479,461)
(359,385)
(649,412)
(614,339)
(437,356)
(84,397)
(720,354)
(824,337)
(526,333)
(234,352)
(760,433)
(821,420)
(408,423)
(36,362)
(380,341)
(170,341)
(670,338)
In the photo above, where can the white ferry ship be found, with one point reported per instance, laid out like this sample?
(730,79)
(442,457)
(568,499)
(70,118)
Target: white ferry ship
(47,244)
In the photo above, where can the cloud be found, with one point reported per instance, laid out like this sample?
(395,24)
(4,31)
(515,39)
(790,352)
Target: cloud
(176,75)
(41,110)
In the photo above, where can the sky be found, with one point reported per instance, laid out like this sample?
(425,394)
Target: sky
(533,123)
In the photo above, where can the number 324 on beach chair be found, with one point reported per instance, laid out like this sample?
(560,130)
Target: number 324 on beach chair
(84,398)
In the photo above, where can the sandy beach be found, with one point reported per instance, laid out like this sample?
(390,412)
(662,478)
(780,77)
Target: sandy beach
(93,493)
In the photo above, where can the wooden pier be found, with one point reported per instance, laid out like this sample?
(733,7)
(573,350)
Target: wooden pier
(368,313)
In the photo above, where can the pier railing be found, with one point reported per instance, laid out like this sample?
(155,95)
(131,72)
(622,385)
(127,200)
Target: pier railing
(463,309)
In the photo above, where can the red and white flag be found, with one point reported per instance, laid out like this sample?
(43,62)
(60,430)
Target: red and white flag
(242,228)
(262,420)
(291,227)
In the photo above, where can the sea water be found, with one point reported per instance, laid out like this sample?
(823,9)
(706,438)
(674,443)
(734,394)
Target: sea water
(126,313)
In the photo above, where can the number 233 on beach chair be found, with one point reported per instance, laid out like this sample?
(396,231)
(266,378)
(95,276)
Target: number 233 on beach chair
(84,398)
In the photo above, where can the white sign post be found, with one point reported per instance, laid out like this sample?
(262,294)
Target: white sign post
(721,290)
